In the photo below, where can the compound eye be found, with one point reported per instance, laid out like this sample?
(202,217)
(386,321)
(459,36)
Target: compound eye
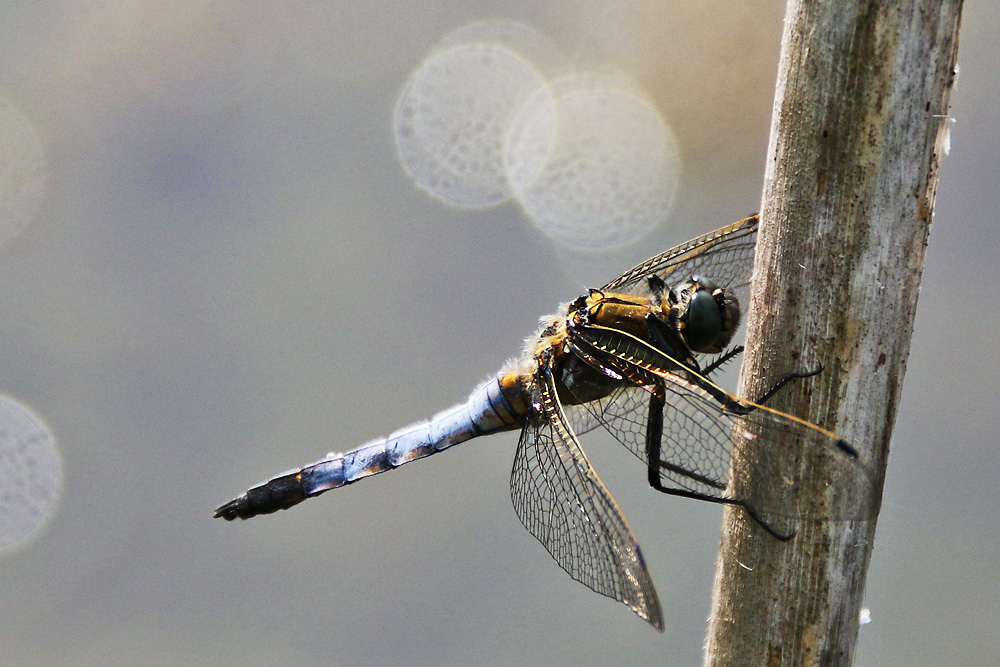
(703,325)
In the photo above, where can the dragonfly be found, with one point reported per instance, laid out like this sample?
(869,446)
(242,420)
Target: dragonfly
(636,358)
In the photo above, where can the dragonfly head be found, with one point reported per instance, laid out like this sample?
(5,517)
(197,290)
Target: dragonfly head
(707,315)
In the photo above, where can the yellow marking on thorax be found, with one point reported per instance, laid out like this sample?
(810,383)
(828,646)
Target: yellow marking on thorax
(624,312)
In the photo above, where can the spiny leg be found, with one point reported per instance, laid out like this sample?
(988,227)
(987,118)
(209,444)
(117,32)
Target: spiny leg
(722,360)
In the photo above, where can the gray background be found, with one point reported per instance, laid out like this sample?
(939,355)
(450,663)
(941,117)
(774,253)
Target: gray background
(231,274)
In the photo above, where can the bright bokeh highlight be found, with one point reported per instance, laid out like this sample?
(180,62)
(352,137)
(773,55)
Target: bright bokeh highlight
(31,474)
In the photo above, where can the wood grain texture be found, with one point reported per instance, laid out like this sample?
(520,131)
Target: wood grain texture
(858,128)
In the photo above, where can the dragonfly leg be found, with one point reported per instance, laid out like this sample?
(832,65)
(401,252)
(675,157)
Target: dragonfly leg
(782,537)
(722,360)
(785,380)
(655,464)
(742,408)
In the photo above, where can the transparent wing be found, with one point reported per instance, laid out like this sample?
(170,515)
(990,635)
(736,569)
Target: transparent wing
(563,503)
(702,440)
(725,256)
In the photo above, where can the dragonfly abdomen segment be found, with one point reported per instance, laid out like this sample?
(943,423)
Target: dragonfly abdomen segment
(496,405)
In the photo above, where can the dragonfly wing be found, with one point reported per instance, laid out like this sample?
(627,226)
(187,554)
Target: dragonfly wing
(563,503)
(623,414)
(725,256)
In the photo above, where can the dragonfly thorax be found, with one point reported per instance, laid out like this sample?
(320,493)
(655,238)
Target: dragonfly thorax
(707,316)
(624,312)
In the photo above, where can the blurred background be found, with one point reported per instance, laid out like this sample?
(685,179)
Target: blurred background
(217,265)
